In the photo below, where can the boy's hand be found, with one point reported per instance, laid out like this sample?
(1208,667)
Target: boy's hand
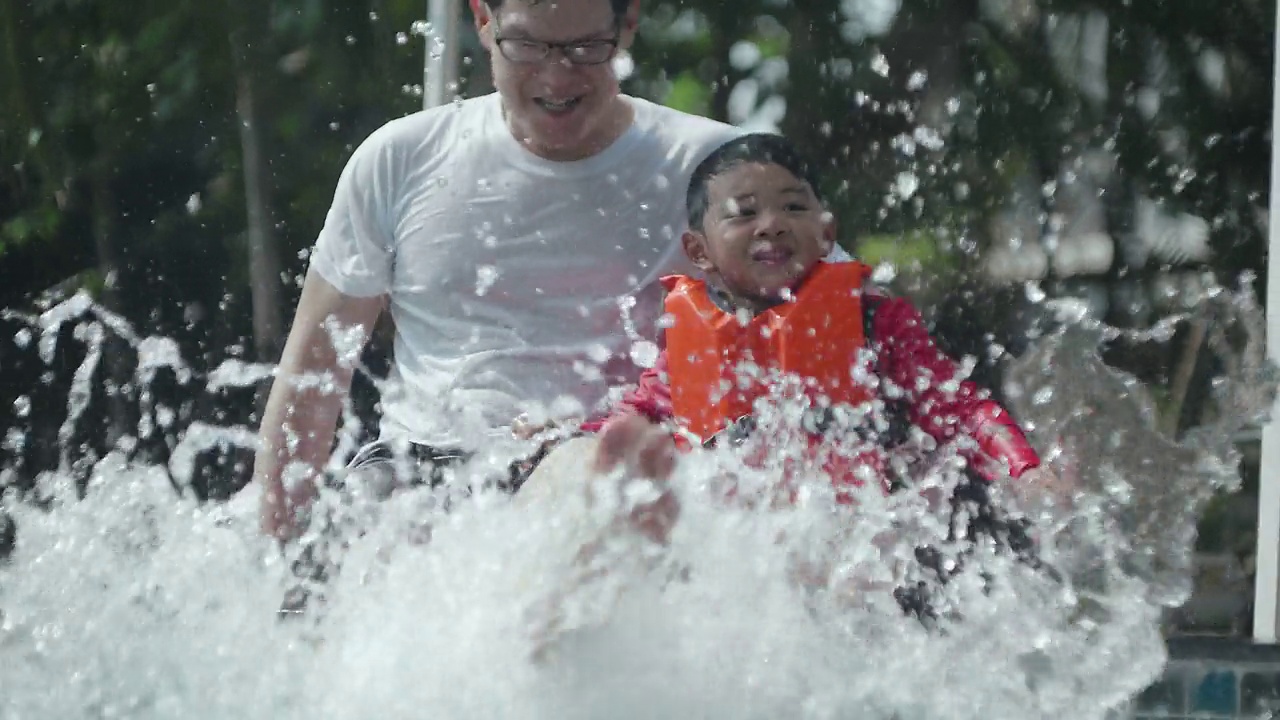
(648,451)
(1042,487)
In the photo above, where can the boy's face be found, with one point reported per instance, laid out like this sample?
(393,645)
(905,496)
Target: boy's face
(763,231)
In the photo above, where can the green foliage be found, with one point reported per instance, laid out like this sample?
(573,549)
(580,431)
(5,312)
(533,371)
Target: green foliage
(689,94)
(916,249)
(40,221)
(140,98)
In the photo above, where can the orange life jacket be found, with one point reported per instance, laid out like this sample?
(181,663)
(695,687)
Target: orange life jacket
(816,337)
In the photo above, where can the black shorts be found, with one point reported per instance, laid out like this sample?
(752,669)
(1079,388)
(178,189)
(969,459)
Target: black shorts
(377,470)
(416,465)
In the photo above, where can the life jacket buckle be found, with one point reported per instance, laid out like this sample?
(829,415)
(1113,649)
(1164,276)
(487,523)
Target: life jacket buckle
(736,432)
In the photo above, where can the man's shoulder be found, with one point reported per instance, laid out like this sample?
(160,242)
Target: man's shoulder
(683,134)
(431,125)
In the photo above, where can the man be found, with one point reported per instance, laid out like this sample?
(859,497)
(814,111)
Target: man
(516,239)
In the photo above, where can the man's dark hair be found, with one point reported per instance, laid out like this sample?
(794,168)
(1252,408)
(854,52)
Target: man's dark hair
(619,6)
(761,148)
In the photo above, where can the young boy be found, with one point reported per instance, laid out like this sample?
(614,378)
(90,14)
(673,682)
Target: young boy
(758,231)
(768,303)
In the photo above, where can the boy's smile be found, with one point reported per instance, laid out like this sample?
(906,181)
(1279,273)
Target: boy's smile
(763,233)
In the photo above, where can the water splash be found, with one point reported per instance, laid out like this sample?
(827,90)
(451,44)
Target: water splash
(136,602)
(1145,488)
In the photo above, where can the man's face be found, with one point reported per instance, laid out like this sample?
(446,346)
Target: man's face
(563,105)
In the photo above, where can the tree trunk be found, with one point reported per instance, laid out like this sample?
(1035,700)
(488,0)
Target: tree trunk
(724,31)
(814,42)
(264,252)
(116,370)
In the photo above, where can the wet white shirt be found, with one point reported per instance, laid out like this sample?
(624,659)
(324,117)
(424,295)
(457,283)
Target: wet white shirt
(517,284)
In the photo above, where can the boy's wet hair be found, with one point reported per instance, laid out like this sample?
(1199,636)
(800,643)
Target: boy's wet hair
(758,148)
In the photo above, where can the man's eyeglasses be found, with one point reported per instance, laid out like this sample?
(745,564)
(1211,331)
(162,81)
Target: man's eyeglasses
(586,52)
(583,52)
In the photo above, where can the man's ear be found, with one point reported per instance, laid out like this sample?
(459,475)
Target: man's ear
(695,247)
(483,17)
(628,24)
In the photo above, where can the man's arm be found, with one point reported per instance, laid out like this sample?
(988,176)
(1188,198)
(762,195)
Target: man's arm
(306,398)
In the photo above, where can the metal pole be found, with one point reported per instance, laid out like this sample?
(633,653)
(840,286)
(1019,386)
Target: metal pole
(440,62)
(1267,579)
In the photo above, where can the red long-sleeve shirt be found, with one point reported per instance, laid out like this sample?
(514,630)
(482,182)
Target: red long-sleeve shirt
(908,358)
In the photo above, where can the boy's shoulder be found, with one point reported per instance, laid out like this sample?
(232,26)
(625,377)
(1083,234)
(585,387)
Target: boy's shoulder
(877,292)
(868,287)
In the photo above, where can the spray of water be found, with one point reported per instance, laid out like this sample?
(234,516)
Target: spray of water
(134,601)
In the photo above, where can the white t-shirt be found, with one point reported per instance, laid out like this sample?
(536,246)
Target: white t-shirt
(517,284)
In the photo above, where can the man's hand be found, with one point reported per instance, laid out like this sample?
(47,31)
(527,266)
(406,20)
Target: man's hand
(525,429)
(274,513)
(647,449)
(279,509)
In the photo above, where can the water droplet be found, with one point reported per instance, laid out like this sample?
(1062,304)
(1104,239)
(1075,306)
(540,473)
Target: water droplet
(1035,293)
(929,138)
(884,273)
(486,276)
(1042,396)
(22,406)
(880,65)
(420,27)
(917,80)
(644,354)
(402,38)
(599,353)
(351,39)
(907,184)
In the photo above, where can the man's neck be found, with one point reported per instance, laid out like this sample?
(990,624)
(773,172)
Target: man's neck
(621,117)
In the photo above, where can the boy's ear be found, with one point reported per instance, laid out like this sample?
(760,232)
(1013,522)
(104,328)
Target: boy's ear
(828,232)
(695,246)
